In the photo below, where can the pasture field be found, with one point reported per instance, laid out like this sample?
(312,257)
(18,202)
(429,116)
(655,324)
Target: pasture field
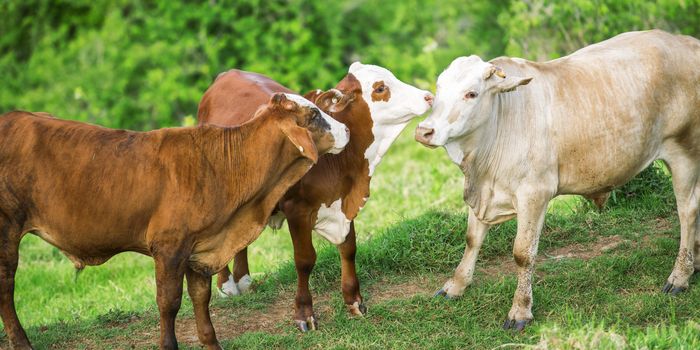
(597,283)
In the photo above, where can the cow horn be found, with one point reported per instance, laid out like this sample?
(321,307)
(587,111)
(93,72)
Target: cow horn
(495,70)
(500,72)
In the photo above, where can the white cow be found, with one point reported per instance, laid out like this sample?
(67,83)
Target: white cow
(581,124)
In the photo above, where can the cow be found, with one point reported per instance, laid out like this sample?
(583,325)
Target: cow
(376,107)
(524,132)
(188,197)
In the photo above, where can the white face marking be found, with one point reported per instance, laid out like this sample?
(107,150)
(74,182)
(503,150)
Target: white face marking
(390,117)
(451,116)
(338,129)
(331,223)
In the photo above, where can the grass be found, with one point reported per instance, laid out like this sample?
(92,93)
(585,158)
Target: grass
(411,238)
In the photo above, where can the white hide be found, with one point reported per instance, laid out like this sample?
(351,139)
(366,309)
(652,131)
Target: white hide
(455,113)
(331,223)
(389,118)
(338,129)
(231,288)
(455,152)
(244,283)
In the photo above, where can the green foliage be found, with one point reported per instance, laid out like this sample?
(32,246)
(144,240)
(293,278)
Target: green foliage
(545,29)
(654,183)
(143,65)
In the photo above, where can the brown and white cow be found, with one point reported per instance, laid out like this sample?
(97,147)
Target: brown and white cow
(524,132)
(376,107)
(189,197)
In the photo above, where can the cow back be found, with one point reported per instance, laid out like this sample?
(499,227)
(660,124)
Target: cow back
(235,96)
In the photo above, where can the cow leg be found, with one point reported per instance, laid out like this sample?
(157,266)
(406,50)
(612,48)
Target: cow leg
(225,284)
(199,289)
(170,271)
(350,285)
(304,260)
(696,250)
(241,273)
(9,255)
(684,173)
(476,231)
(530,217)
(237,283)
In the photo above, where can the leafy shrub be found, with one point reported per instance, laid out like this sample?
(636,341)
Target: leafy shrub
(545,29)
(143,65)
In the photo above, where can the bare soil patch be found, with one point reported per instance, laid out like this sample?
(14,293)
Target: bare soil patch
(277,317)
(573,251)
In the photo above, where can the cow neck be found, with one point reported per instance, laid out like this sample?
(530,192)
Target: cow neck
(384,137)
(254,155)
(266,164)
(498,149)
(351,162)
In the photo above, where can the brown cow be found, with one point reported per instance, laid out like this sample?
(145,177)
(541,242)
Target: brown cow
(376,107)
(189,197)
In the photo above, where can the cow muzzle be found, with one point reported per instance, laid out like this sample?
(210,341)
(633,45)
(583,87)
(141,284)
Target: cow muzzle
(429,98)
(341,137)
(424,135)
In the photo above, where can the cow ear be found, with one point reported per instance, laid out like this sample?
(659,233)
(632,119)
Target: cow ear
(355,66)
(280,100)
(510,83)
(313,94)
(333,101)
(301,138)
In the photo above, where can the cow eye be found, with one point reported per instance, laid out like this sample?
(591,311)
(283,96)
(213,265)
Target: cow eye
(470,94)
(380,89)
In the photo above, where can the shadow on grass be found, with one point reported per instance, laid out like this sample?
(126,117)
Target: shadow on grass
(620,288)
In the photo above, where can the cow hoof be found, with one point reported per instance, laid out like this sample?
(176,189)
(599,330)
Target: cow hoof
(363,308)
(357,309)
(516,325)
(673,290)
(310,324)
(443,294)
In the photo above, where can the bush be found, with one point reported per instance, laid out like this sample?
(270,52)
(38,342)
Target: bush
(145,65)
(545,29)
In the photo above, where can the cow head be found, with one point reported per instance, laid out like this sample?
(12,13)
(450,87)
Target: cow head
(390,100)
(312,131)
(464,99)
(391,103)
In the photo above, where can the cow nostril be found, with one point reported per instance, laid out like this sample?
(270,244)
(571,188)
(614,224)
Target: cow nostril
(429,98)
(424,133)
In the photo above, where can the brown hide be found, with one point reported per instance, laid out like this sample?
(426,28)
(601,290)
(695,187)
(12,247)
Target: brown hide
(189,197)
(345,175)
(94,192)
(236,94)
(234,97)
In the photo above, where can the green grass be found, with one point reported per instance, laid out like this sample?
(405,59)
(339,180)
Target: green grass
(412,229)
